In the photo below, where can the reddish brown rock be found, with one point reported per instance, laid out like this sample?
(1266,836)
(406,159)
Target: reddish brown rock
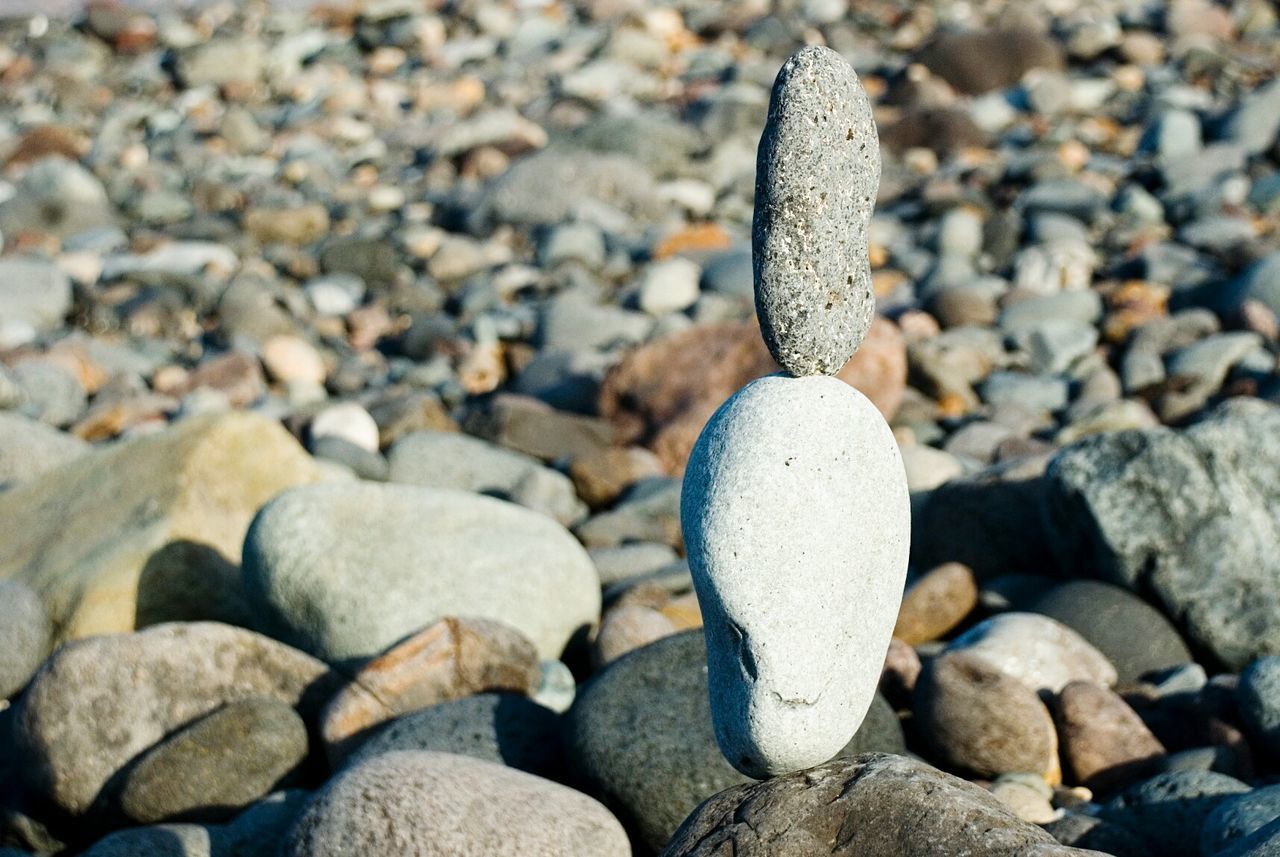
(937,602)
(45,140)
(235,374)
(600,477)
(450,659)
(979,719)
(663,393)
(1105,744)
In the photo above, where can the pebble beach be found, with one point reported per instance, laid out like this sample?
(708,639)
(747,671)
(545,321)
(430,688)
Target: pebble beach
(352,357)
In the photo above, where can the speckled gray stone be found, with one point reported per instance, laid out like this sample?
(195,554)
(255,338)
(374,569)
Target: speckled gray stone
(439,804)
(796,522)
(817,174)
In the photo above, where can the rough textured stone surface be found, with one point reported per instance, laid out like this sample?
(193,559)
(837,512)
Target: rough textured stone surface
(1104,742)
(217,765)
(422,554)
(497,727)
(1040,652)
(639,737)
(817,174)
(935,603)
(98,703)
(977,718)
(1168,811)
(449,659)
(437,805)
(25,635)
(874,805)
(1132,634)
(796,639)
(149,530)
(1191,516)
(1264,842)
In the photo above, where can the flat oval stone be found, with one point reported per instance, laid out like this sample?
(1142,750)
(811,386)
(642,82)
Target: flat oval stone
(345,570)
(796,520)
(217,765)
(817,175)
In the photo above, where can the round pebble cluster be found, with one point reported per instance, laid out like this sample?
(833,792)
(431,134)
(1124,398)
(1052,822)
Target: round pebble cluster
(352,356)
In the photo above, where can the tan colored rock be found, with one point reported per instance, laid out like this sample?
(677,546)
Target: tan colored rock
(449,659)
(627,628)
(287,225)
(150,530)
(683,610)
(937,602)
(291,358)
(1105,744)
(600,477)
(979,719)
(1026,797)
(663,393)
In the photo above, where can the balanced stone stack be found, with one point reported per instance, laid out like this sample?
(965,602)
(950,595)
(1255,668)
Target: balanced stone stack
(795,508)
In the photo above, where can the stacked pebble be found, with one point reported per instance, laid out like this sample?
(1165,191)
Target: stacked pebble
(351,360)
(794,509)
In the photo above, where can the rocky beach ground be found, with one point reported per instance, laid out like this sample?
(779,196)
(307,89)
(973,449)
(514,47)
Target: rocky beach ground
(350,360)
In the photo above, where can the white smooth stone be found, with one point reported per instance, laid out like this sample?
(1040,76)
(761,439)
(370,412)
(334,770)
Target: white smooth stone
(797,526)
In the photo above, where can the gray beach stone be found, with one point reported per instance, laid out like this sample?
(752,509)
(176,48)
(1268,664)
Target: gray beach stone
(98,703)
(438,804)
(1169,810)
(503,728)
(639,737)
(35,296)
(421,553)
(437,459)
(1258,698)
(817,174)
(796,638)
(28,448)
(160,840)
(1238,818)
(875,805)
(25,635)
(1134,636)
(217,765)
(1191,516)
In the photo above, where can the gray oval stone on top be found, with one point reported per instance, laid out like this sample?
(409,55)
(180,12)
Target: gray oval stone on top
(817,174)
